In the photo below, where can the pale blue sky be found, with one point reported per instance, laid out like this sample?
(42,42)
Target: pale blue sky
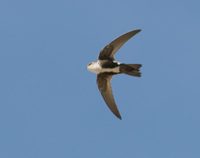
(49,102)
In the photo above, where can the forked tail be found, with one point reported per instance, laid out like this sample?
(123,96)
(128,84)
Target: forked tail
(131,69)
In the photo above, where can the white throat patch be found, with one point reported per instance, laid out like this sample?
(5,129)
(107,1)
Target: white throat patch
(94,67)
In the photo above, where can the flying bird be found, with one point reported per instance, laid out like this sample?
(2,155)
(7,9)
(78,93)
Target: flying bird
(106,66)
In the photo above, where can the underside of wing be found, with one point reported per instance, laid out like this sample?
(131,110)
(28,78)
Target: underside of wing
(109,51)
(103,81)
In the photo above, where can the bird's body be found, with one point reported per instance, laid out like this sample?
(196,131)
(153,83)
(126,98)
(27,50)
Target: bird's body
(106,66)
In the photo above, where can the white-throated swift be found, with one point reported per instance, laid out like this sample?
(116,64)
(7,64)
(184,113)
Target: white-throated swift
(106,66)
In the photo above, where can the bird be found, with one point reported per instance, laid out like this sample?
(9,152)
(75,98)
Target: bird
(106,66)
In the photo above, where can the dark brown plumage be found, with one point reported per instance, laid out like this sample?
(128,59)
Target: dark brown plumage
(106,67)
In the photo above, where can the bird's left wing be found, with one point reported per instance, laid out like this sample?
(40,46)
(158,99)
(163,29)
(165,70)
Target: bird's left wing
(103,81)
(109,50)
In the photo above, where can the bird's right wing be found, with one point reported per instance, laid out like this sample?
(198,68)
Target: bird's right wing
(103,81)
(109,51)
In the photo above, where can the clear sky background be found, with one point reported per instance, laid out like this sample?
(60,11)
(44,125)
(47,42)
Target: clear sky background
(49,103)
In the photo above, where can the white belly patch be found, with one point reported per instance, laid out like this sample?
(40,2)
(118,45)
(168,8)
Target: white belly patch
(114,70)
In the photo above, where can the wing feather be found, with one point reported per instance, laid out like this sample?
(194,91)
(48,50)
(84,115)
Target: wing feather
(109,50)
(104,85)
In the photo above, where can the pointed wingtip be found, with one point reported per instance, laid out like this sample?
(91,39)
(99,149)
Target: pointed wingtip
(119,117)
(135,31)
(138,30)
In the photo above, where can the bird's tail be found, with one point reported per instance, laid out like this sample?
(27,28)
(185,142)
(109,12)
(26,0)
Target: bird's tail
(131,69)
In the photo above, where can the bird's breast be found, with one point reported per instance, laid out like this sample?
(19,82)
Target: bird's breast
(109,66)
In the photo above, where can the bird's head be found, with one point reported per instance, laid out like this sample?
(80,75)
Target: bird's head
(90,66)
(93,67)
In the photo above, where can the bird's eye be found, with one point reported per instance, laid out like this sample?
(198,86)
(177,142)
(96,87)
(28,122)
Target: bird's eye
(89,64)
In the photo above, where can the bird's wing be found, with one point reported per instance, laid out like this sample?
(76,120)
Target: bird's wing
(109,50)
(103,81)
